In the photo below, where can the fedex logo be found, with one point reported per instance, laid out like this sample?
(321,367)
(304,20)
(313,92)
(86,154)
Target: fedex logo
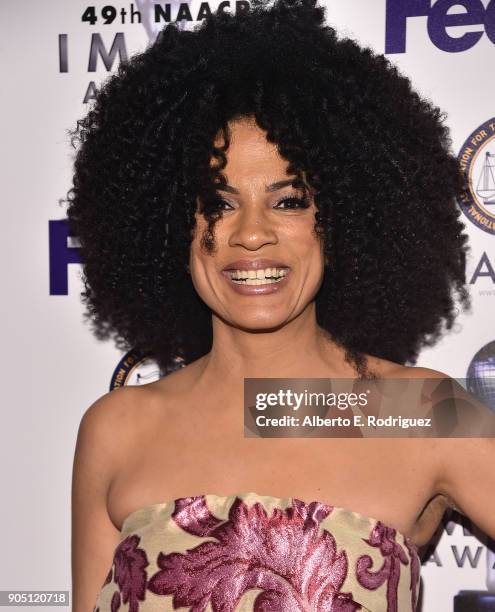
(440,15)
(62,253)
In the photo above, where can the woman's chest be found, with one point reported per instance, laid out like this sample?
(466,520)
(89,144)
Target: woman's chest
(387,479)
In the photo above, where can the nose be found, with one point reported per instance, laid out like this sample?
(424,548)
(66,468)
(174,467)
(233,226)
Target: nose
(252,229)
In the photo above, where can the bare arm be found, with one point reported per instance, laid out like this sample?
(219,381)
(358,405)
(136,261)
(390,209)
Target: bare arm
(467,476)
(465,471)
(101,437)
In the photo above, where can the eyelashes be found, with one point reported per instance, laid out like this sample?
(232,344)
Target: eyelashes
(295,202)
(284,203)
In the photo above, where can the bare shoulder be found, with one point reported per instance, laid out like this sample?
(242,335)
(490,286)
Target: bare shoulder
(120,418)
(129,410)
(116,408)
(395,370)
(420,372)
(111,405)
(392,369)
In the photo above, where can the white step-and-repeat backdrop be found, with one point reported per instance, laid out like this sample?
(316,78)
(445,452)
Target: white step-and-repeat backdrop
(54,55)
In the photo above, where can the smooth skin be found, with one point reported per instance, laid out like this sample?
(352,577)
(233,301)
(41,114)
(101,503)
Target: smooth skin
(183,435)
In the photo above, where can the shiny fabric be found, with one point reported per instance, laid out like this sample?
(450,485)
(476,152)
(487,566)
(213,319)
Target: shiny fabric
(250,552)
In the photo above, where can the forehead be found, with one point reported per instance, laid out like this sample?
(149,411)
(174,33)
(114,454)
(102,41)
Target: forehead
(250,155)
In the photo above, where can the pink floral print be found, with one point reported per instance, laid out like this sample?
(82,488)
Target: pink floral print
(383,537)
(286,554)
(298,568)
(129,572)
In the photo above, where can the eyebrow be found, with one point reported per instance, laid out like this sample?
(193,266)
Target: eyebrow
(295,182)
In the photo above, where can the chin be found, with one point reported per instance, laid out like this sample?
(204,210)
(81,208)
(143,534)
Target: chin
(259,323)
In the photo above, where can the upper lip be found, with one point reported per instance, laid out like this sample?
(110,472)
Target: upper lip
(255,264)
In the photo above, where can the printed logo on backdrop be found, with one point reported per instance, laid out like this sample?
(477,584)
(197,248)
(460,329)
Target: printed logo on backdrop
(153,16)
(481,375)
(136,368)
(150,16)
(459,545)
(477,159)
(63,250)
(484,269)
(452,26)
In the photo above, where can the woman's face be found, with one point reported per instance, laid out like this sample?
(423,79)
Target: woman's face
(268,263)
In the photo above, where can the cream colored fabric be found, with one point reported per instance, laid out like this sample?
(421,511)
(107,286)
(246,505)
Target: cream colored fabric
(257,552)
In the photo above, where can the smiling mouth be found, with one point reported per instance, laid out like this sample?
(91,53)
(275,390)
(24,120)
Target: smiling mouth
(266,276)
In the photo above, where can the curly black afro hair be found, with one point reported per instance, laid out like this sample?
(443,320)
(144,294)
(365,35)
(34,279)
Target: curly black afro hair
(376,154)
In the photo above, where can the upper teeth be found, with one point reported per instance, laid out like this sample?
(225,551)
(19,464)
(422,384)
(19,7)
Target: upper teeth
(258,274)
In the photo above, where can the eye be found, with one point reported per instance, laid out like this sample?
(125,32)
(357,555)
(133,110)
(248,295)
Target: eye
(220,204)
(223,204)
(292,202)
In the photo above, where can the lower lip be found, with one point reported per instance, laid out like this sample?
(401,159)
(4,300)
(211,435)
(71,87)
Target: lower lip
(256,289)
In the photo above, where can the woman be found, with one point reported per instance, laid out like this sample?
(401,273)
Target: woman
(261,145)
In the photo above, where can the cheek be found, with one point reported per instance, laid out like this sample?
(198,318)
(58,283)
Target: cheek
(306,245)
(310,253)
(219,241)
(202,263)
(196,252)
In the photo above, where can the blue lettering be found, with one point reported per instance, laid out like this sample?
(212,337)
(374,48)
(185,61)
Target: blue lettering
(397,13)
(438,20)
(490,21)
(60,256)
(483,268)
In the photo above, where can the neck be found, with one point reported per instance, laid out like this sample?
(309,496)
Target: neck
(298,349)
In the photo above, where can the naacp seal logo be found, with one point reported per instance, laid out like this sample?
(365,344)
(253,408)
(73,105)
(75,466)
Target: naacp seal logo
(134,369)
(477,159)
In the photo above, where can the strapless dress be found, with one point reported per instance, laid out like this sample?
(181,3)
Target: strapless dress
(251,552)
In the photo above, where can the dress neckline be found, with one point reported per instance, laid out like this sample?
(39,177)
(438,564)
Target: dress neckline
(246,494)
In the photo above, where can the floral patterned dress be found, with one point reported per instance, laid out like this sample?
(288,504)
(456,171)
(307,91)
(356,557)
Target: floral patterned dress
(250,552)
